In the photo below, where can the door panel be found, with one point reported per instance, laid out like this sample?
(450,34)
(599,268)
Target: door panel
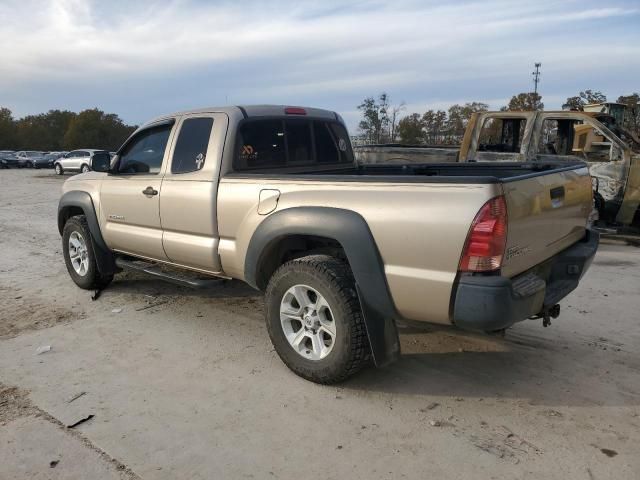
(130,218)
(188,203)
(130,197)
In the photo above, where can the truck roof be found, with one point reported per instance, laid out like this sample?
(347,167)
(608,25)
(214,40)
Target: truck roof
(249,111)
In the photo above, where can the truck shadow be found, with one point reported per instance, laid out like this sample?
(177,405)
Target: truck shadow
(572,371)
(551,367)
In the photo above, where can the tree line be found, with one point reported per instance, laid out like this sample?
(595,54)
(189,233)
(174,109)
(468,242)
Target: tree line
(381,122)
(63,130)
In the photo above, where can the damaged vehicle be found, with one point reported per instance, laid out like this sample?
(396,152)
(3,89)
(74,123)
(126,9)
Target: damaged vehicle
(611,152)
(271,195)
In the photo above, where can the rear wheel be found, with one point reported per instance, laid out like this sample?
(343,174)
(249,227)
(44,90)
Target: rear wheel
(79,257)
(85,168)
(58,169)
(314,319)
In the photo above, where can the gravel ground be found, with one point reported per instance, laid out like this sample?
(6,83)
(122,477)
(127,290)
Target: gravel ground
(172,383)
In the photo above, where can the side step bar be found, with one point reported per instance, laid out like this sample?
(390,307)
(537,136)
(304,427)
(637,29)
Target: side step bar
(155,271)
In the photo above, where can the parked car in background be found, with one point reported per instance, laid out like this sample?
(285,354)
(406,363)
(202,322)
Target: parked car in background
(28,158)
(78,160)
(46,160)
(8,159)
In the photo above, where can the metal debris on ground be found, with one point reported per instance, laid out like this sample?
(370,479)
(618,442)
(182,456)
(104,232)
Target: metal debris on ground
(43,349)
(81,421)
(76,396)
(151,305)
(116,310)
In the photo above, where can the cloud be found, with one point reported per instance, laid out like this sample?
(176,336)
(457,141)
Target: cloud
(327,52)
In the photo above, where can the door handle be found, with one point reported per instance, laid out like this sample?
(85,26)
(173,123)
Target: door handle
(150,191)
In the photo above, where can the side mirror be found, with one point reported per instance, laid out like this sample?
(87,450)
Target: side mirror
(101,162)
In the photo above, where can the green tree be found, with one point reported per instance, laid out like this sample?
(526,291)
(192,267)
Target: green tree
(375,121)
(526,101)
(585,97)
(411,129)
(435,126)
(44,131)
(95,129)
(7,130)
(459,116)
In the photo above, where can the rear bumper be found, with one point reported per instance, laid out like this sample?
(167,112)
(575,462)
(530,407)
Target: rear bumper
(493,303)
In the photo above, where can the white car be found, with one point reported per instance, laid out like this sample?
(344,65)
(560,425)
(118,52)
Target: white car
(79,160)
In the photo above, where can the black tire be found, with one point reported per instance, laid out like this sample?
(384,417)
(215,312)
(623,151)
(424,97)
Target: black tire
(333,279)
(29,164)
(92,279)
(58,169)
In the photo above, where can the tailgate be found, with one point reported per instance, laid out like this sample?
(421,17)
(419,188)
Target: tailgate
(547,212)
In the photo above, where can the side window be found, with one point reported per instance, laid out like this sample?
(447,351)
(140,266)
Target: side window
(144,153)
(261,144)
(191,148)
(501,135)
(84,154)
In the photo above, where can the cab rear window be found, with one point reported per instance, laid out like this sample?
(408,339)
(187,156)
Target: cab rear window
(278,143)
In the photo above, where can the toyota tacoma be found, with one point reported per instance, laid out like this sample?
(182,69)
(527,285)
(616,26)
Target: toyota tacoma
(271,195)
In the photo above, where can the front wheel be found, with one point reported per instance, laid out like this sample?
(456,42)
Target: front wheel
(58,169)
(314,319)
(79,257)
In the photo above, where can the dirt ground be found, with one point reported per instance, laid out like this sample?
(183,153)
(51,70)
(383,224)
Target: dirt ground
(174,383)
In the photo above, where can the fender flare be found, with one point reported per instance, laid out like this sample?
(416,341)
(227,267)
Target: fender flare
(352,232)
(105,260)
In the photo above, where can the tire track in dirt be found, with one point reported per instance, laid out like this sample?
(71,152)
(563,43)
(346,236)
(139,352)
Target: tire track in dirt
(20,313)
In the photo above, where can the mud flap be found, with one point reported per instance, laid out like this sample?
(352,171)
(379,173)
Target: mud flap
(382,334)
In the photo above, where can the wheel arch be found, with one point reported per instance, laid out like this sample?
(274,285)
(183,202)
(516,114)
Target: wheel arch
(344,232)
(77,202)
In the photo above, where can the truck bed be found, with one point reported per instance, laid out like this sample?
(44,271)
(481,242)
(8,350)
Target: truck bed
(477,172)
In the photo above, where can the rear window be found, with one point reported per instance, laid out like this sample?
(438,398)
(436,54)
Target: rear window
(274,143)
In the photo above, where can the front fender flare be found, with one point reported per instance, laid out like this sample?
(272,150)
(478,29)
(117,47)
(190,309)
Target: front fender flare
(352,232)
(76,198)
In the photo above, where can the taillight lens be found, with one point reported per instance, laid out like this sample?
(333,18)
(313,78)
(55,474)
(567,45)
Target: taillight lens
(487,238)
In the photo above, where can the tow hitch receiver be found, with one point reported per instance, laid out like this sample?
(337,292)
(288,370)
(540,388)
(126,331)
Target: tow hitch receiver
(547,314)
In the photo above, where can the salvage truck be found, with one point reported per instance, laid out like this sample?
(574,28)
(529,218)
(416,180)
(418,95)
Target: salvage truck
(271,195)
(611,152)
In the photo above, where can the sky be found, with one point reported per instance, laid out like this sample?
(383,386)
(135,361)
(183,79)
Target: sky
(144,58)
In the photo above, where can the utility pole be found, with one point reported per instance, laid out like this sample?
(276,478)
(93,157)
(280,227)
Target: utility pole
(536,77)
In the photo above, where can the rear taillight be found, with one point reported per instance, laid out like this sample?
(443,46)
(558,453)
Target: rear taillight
(484,248)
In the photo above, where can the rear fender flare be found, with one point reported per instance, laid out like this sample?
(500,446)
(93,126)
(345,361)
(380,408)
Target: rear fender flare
(351,231)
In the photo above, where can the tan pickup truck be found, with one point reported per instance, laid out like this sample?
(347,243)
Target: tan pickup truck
(271,195)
